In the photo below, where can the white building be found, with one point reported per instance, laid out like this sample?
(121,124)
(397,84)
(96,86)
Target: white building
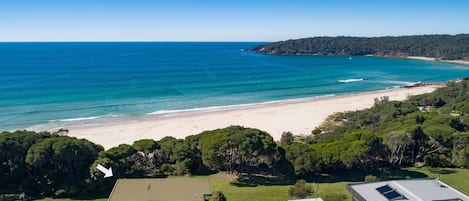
(406,190)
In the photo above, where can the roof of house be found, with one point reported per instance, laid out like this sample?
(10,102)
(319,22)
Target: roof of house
(407,190)
(167,189)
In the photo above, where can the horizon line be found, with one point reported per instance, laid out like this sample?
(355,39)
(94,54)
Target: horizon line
(136,41)
(216,41)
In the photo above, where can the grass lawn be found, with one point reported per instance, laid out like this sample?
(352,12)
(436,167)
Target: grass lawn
(267,192)
(457,178)
(277,190)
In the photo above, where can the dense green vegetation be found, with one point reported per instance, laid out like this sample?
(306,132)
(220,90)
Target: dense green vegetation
(430,129)
(427,130)
(45,164)
(447,47)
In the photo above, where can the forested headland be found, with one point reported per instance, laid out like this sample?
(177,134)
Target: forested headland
(426,130)
(440,47)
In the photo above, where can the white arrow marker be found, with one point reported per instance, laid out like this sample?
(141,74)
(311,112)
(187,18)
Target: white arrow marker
(107,172)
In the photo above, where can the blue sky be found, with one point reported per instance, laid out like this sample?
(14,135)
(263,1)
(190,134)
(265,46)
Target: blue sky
(221,20)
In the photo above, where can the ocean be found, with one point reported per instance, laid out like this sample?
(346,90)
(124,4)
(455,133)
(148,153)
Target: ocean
(52,85)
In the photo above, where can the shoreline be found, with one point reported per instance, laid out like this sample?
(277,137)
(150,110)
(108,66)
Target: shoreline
(421,58)
(463,62)
(299,116)
(436,60)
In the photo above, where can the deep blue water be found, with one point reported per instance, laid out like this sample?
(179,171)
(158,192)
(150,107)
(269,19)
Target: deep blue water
(45,85)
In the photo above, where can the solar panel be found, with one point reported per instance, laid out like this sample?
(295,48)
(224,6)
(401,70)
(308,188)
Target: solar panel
(390,193)
(384,189)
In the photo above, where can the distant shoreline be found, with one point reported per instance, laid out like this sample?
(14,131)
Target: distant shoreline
(437,60)
(421,58)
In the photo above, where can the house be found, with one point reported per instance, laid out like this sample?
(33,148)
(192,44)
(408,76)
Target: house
(406,190)
(161,189)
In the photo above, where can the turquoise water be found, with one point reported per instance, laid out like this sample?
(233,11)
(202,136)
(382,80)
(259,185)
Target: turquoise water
(48,85)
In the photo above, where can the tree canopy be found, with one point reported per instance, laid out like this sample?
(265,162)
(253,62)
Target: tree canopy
(237,149)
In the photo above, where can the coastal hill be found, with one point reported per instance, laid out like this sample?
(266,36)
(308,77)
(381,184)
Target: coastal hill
(440,47)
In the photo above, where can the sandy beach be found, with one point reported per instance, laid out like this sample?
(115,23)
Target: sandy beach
(297,117)
(433,59)
(464,62)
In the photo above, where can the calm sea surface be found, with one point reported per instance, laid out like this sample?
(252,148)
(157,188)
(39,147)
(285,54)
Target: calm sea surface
(49,85)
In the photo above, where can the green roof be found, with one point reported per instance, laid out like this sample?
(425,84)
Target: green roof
(167,189)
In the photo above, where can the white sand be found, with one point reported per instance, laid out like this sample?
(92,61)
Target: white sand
(433,59)
(298,117)
(464,62)
(421,58)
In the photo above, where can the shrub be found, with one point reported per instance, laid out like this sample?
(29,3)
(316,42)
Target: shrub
(371,178)
(287,138)
(218,196)
(300,190)
(436,160)
(167,169)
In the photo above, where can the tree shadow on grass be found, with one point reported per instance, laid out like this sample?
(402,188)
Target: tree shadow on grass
(393,174)
(344,176)
(262,180)
(441,171)
(353,176)
(337,177)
